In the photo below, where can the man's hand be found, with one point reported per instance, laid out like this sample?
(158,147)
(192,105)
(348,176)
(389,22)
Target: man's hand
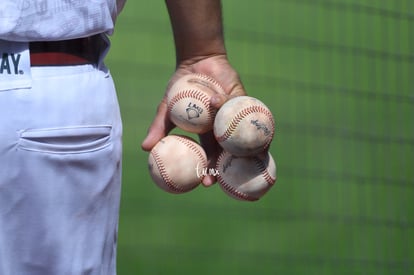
(199,48)
(217,67)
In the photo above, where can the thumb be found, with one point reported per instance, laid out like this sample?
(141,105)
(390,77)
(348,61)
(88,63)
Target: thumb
(159,128)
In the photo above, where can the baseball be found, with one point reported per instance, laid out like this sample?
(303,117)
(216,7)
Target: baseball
(173,163)
(188,102)
(244,126)
(246,178)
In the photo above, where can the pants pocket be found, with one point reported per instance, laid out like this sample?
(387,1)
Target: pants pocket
(66,140)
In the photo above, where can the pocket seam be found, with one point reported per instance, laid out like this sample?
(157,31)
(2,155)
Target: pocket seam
(30,140)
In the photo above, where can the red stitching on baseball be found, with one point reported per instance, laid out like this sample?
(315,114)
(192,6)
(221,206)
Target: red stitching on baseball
(230,189)
(263,169)
(164,174)
(194,148)
(234,123)
(212,80)
(194,94)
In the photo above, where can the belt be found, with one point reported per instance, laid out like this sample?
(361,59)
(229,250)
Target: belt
(79,51)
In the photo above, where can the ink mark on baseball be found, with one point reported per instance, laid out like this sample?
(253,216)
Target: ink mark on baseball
(193,111)
(227,164)
(261,126)
(188,101)
(235,122)
(244,126)
(246,178)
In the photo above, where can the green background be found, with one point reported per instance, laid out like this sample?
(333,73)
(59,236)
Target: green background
(338,77)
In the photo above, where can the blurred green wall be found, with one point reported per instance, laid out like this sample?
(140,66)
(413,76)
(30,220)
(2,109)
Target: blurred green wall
(337,75)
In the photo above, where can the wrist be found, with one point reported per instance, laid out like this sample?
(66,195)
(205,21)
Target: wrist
(191,53)
(197,28)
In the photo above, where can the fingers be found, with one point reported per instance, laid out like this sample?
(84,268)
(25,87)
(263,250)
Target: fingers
(218,68)
(218,100)
(159,128)
(213,150)
(208,141)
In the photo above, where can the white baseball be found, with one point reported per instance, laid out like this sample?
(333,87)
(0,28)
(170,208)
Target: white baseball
(173,163)
(244,126)
(246,178)
(188,102)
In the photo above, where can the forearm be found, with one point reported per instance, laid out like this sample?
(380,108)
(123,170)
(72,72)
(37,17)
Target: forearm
(197,28)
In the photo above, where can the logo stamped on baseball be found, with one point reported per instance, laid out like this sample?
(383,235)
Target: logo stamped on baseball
(244,126)
(261,126)
(193,111)
(246,178)
(188,102)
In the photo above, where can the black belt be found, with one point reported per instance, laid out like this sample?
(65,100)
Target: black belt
(79,51)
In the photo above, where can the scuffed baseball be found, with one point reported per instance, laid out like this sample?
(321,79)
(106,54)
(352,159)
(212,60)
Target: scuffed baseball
(246,178)
(174,161)
(244,126)
(188,101)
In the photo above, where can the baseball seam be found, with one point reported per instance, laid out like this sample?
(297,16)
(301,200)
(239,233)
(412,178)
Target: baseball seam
(193,148)
(161,168)
(194,94)
(212,81)
(263,169)
(230,189)
(235,122)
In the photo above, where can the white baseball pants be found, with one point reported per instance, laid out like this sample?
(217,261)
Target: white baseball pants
(60,173)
